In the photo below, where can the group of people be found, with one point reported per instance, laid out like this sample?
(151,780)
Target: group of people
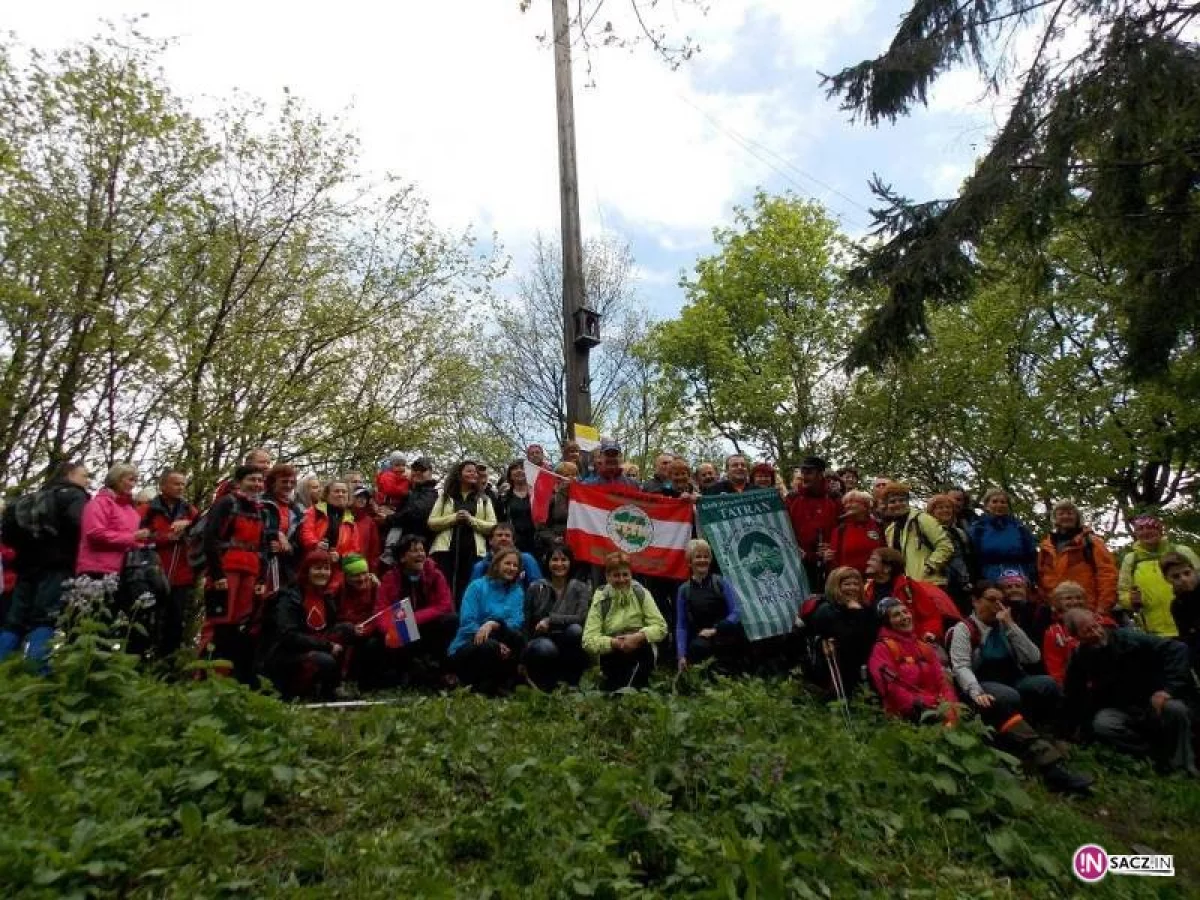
(319,583)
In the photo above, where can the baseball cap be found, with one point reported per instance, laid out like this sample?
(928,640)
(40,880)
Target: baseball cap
(609,445)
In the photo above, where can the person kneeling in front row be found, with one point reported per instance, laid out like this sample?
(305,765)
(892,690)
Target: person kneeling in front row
(555,611)
(489,641)
(623,625)
(1132,689)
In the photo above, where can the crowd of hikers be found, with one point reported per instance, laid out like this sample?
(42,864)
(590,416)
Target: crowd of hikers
(330,587)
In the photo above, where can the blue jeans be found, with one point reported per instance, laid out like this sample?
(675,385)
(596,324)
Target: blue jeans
(37,650)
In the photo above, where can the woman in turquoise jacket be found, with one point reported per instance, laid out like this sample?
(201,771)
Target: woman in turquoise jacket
(488,644)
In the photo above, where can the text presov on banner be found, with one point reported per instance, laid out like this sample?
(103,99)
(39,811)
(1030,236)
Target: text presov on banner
(754,544)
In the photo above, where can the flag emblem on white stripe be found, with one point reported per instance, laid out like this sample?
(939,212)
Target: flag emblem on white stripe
(630,528)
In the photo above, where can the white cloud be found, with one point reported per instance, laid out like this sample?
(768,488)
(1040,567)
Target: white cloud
(945,178)
(458,97)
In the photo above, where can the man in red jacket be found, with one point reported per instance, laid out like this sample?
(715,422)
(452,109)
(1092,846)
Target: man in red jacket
(814,516)
(234,553)
(167,518)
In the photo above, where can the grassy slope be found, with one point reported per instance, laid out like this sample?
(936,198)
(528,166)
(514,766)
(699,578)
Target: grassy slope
(114,785)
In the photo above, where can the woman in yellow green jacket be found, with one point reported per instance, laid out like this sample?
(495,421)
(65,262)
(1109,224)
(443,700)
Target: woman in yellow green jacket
(1142,589)
(622,627)
(461,520)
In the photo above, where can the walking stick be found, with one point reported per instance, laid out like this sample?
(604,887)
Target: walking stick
(835,677)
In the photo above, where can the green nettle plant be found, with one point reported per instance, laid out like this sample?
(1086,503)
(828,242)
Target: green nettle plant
(116,784)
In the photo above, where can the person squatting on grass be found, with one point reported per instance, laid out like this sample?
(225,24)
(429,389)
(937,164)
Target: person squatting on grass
(303,578)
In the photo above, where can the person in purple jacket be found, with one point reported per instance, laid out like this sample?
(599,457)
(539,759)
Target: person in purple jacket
(707,617)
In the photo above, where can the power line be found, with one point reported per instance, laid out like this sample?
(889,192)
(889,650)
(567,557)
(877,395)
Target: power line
(752,147)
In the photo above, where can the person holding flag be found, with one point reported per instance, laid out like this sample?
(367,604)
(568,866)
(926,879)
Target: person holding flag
(417,580)
(552,530)
(609,472)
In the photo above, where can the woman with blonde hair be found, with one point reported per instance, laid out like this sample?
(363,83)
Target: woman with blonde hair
(958,571)
(707,615)
(111,525)
(1058,644)
(845,625)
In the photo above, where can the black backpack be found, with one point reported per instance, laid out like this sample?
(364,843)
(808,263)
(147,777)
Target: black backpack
(31,518)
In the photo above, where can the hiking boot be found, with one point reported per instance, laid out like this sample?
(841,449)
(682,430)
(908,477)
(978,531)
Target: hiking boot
(1061,780)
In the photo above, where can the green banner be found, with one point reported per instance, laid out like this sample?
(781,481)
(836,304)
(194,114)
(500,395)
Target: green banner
(754,544)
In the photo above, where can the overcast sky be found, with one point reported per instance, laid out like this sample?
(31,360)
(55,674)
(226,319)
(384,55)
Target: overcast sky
(457,96)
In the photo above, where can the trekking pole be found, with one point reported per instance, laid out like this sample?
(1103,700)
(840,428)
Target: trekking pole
(839,687)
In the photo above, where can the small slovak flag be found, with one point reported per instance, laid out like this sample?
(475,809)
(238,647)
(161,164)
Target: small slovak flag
(542,483)
(400,625)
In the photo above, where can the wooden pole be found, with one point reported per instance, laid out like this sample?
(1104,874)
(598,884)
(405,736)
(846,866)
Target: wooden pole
(578,376)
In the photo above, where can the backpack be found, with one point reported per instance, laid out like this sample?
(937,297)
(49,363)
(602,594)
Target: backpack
(898,656)
(33,517)
(606,601)
(142,573)
(193,539)
(972,629)
(193,542)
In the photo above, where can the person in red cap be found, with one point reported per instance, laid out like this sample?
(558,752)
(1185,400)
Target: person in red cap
(305,643)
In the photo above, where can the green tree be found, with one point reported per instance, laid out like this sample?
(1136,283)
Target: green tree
(522,351)
(756,350)
(1103,130)
(100,174)
(1023,387)
(175,291)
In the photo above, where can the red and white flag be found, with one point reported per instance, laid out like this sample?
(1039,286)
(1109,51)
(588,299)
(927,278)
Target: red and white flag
(542,483)
(654,530)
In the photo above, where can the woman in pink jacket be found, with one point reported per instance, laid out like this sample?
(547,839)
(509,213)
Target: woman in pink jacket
(905,670)
(109,528)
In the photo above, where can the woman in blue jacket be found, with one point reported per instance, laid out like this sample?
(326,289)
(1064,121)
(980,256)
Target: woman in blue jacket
(488,645)
(1000,542)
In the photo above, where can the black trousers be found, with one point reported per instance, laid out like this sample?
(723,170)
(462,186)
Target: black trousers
(484,666)
(314,675)
(557,657)
(728,646)
(239,646)
(621,670)
(376,665)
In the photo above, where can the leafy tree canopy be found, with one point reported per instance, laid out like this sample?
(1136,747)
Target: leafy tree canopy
(758,345)
(1104,127)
